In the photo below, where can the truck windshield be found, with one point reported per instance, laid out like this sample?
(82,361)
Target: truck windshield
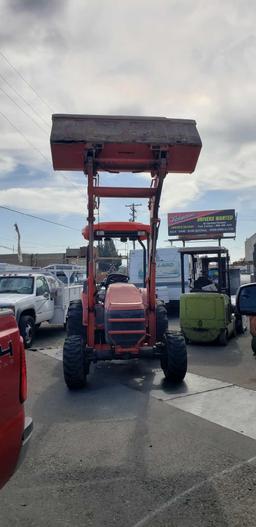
(23,285)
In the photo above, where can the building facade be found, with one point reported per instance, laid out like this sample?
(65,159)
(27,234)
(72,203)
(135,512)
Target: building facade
(71,256)
(249,250)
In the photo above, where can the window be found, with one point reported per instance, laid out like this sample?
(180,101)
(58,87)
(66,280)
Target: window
(41,286)
(22,285)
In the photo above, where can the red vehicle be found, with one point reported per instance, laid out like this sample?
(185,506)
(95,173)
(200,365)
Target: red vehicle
(15,429)
(125,322)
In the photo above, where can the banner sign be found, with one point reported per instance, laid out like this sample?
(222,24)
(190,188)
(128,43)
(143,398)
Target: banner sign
(207,223)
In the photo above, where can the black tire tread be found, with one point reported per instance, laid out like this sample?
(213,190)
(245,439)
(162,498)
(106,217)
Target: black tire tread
(22,327)
(75,319)
(75,368)
(161,320)
(174,362)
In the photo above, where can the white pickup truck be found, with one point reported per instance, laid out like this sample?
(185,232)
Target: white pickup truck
(36,297)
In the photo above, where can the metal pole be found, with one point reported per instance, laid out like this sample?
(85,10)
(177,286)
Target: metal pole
(144,261)
(133,214)
(182,273)
(228,275)
(89,170)
(219,272)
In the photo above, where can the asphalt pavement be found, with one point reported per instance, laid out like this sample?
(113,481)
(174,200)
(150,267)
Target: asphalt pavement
(130,451)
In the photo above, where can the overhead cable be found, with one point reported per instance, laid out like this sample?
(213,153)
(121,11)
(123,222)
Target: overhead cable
(75,185)
(24,137)
(24,111)
(39,218)
(24,80)
(24,100)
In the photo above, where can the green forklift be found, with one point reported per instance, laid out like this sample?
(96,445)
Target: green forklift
(206,312)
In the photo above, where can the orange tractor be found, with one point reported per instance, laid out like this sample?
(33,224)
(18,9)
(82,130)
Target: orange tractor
(117,320)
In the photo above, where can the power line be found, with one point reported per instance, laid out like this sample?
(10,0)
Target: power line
(24,137)
(5,247)
(24,80)
(38,218)
(23,99)
(75,185)
(24,111)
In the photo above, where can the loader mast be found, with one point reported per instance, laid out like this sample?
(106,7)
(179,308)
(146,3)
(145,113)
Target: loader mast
(154,194)
(116,319)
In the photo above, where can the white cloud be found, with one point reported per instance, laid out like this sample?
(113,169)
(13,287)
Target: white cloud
(45,200)
(178,58)
(178,191)
(7,164)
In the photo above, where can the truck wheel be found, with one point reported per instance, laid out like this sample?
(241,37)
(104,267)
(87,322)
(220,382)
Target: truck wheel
(27,329)
(75,319)
(161,320)
(174,360)
(75,365)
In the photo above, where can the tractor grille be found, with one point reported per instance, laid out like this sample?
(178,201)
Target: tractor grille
(125,328)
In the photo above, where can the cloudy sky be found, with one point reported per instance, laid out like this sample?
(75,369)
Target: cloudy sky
(186,59)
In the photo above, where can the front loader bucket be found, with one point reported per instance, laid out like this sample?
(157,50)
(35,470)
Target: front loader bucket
(124,143)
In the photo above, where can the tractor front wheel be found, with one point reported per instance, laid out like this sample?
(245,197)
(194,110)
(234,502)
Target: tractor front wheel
(174,359)
(75,365)
(75,319)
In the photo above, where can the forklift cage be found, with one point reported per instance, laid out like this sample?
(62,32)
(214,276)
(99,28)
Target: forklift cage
(218,255)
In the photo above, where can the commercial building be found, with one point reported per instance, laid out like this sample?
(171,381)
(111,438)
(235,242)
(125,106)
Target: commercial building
(250,247)
(71,256)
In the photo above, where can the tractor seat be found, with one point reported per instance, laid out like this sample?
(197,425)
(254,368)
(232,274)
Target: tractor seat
(115,278)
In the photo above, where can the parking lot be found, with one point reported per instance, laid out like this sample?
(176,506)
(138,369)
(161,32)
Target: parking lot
(130,450)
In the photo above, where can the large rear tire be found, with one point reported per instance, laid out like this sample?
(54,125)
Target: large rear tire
(161,320)
(75,365)
(75,319)
(174,359)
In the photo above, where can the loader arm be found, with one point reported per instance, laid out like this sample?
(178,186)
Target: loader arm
(124,144)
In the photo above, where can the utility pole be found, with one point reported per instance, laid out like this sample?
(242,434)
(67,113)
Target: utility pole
(20,258)
(133,214)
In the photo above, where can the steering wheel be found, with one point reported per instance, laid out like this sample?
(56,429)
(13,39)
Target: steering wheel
(114,278)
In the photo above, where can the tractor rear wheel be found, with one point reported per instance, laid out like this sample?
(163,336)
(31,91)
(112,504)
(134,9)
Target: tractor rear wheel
(174,360)
(75,365)
(161,320)
(75,319)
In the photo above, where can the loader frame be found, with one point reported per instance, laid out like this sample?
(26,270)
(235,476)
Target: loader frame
(157,145)
(95,191)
